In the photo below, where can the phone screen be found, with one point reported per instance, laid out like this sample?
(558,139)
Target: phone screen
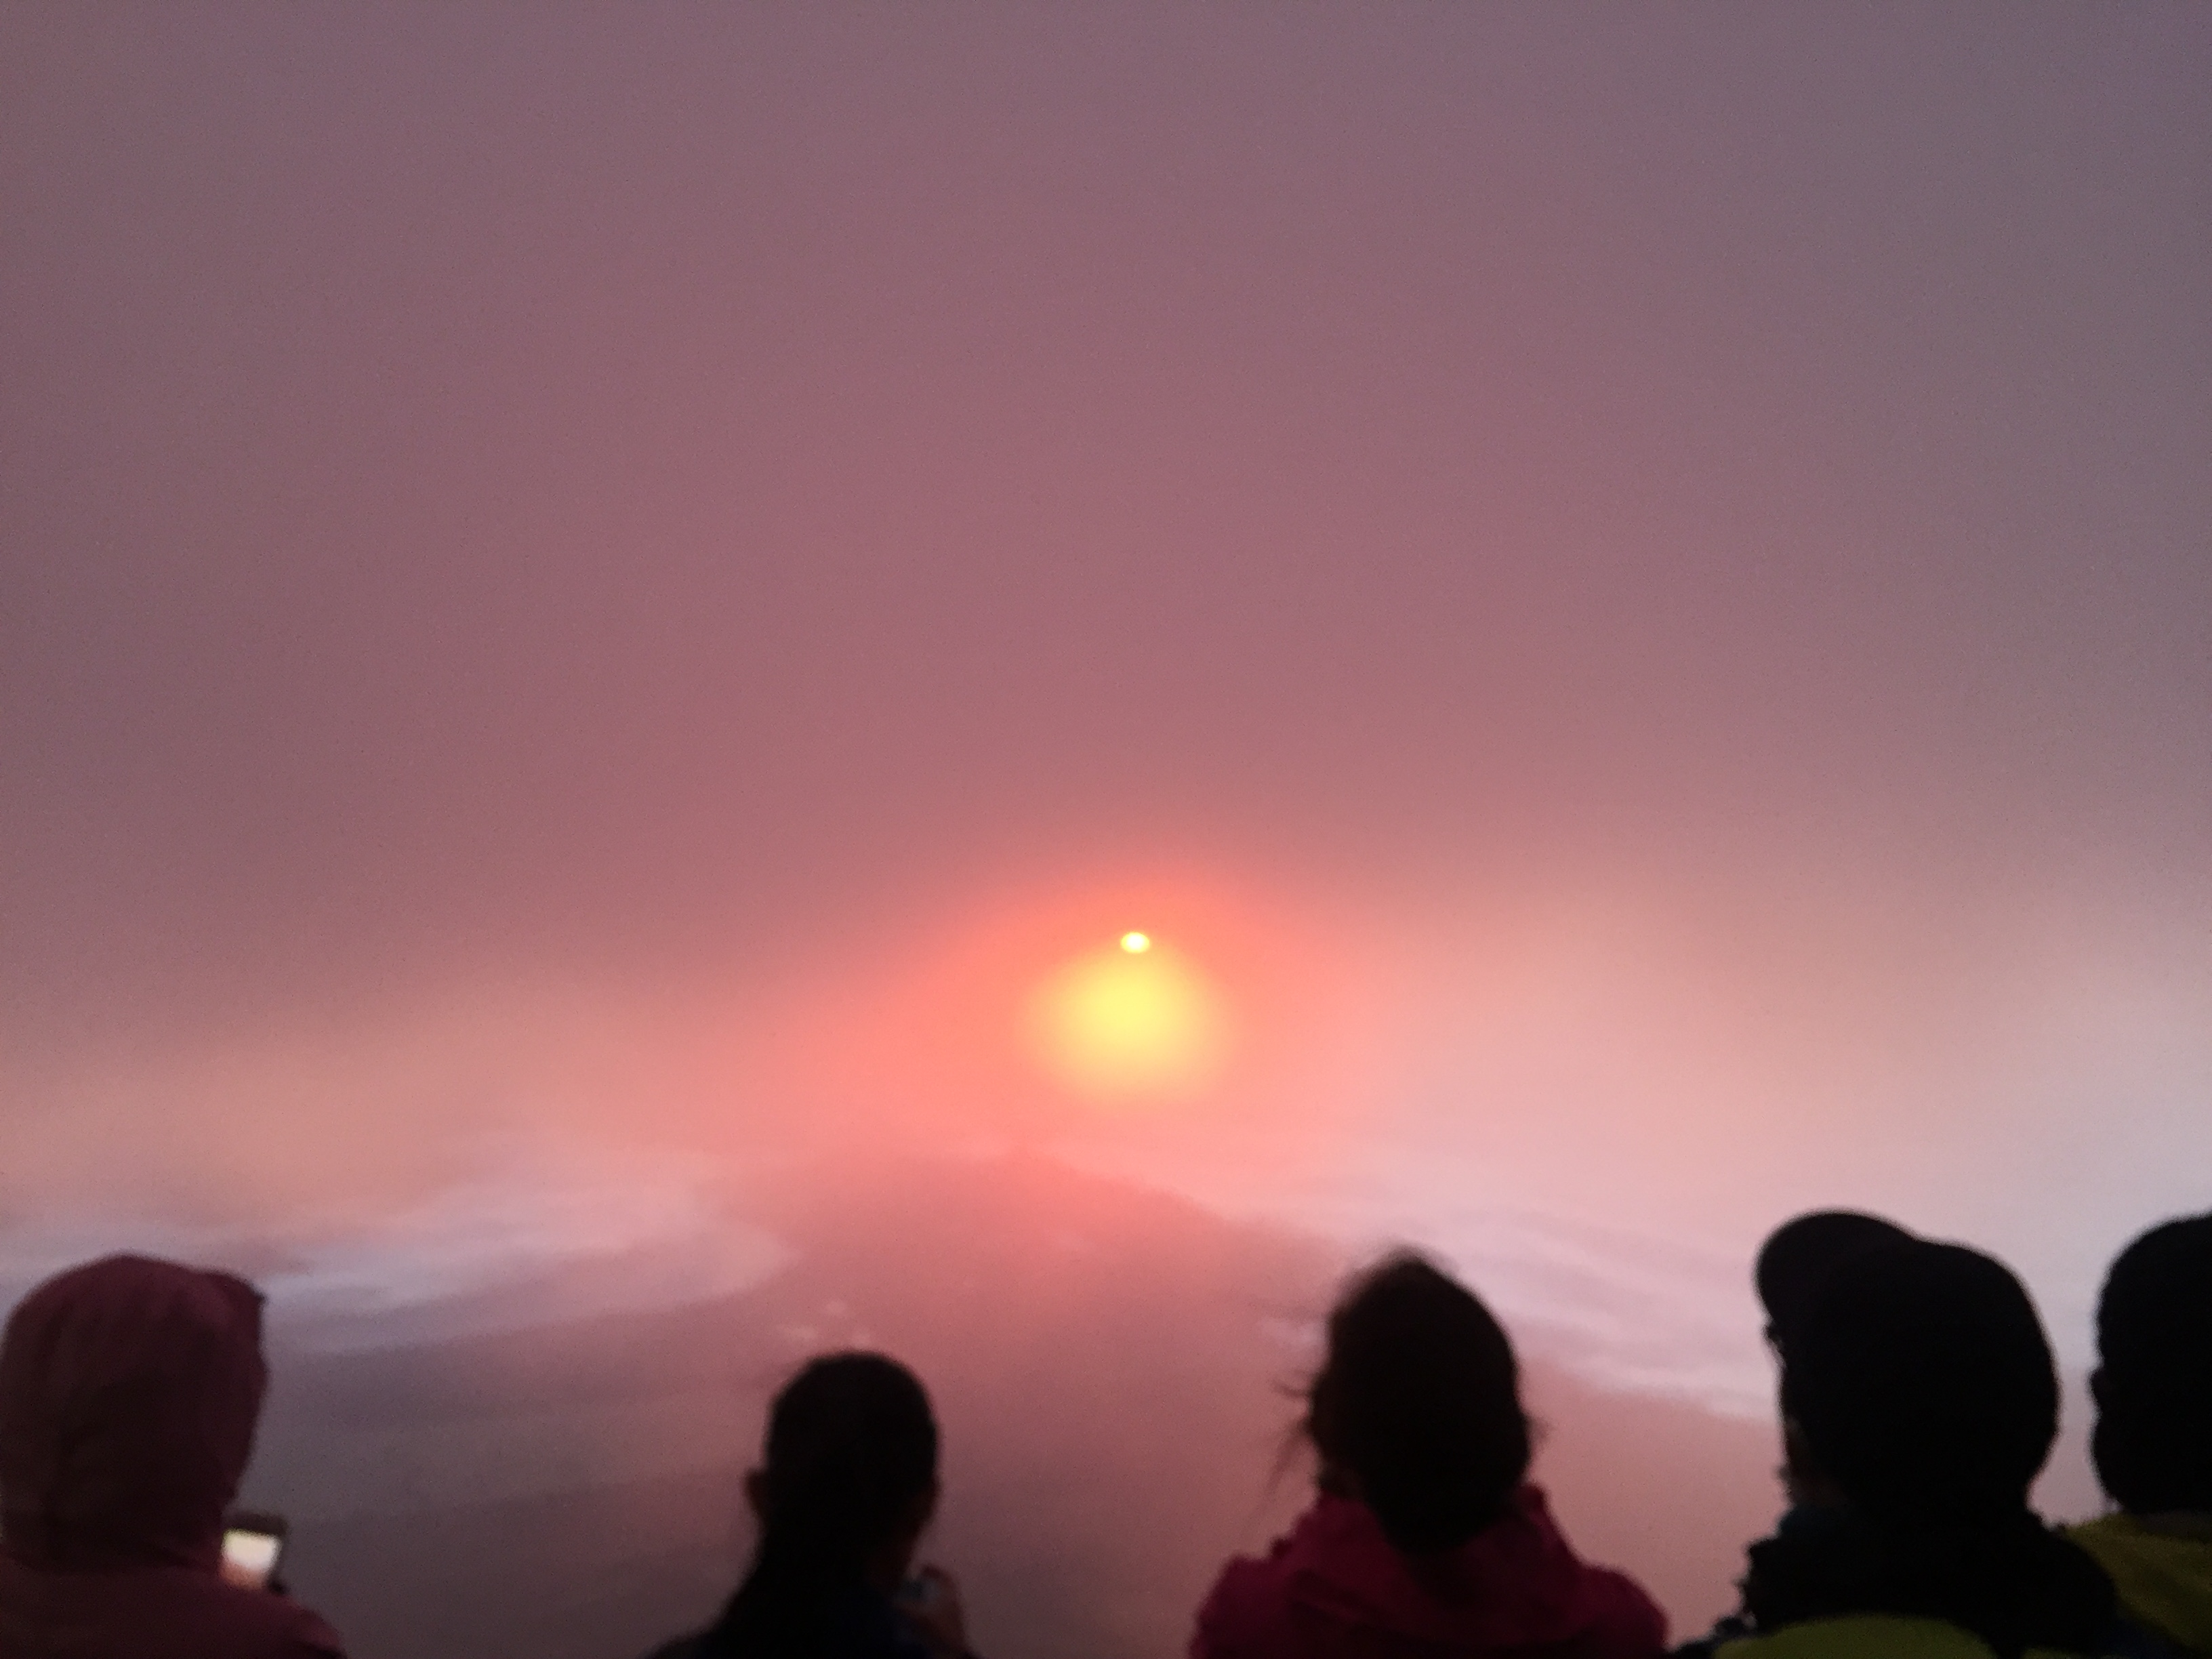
(249,1554)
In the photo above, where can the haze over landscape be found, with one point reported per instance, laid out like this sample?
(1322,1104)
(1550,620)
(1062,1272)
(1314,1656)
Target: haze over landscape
(607,617)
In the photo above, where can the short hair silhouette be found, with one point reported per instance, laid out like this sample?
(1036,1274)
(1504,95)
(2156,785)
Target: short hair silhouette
(851,1462)
(1418,1398)
(1798,1256)
(1923,1385)
(2153,1442)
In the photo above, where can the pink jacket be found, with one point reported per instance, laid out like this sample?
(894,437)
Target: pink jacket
(1336,1588)
(129,1393)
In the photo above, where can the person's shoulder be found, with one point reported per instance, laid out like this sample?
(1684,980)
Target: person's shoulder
(2180,1537)
(268,1626)
(1625,1617)
(2117,1533)
(1245,1598)
(2162,1572)
(1318,1527)
(1244,1611)
(241,1623)
(1730,1627)
(308,1637)
(167,1610)
(1859,1636)
(2115,1521)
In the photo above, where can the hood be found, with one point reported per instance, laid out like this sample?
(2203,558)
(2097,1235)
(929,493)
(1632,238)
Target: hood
(2164,1578)
(129,1392)
(1516,1583)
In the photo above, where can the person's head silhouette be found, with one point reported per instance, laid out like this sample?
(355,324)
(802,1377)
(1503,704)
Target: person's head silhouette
(1922,1385)
(1417,1409)
(846,1483)
(2153,1442)
(1795,1262)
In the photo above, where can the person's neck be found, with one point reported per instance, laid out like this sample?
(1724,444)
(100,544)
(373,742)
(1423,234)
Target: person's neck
(886,1569)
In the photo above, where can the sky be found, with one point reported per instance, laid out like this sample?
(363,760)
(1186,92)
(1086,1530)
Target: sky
(614,590)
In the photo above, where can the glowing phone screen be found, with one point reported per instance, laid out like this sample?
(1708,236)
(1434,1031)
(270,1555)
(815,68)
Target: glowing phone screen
(248,1558)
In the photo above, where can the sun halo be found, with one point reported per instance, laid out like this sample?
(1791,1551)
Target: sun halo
(1134,1021)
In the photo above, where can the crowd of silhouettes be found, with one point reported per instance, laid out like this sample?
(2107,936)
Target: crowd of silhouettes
(1919,1401)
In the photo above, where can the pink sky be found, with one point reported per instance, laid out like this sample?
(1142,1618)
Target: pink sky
(1639,575)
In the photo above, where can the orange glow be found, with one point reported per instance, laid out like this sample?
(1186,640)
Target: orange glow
(974,1032)
(1134,1020)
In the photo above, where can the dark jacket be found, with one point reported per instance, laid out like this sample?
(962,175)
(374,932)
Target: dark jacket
(863,1624)
(2009,1585)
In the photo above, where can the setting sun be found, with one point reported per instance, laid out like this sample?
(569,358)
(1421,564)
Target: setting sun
(1133,1020)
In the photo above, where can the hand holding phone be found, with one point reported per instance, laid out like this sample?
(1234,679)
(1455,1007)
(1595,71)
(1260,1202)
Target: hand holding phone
(251,1545)
(930,1602)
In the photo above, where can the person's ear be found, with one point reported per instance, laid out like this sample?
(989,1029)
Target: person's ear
(1802,1475)
(756,1494)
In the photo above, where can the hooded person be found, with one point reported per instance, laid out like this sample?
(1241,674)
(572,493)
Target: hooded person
(1425,1537)
(1921,1389)
(2153,1442)
(130,1390)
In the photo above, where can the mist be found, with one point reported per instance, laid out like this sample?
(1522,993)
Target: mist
(592,604)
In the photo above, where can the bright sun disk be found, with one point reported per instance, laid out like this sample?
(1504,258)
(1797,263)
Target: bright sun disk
(1131,1020)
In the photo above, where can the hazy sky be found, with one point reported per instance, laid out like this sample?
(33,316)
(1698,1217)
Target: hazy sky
(1658,557)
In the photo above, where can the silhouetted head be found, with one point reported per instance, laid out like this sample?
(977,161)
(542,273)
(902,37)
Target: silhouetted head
(851,1457)
(1419,1401)
(847,1483)
(1922,1385)
(1798,1256)
(130,1389)
(2153,1444)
